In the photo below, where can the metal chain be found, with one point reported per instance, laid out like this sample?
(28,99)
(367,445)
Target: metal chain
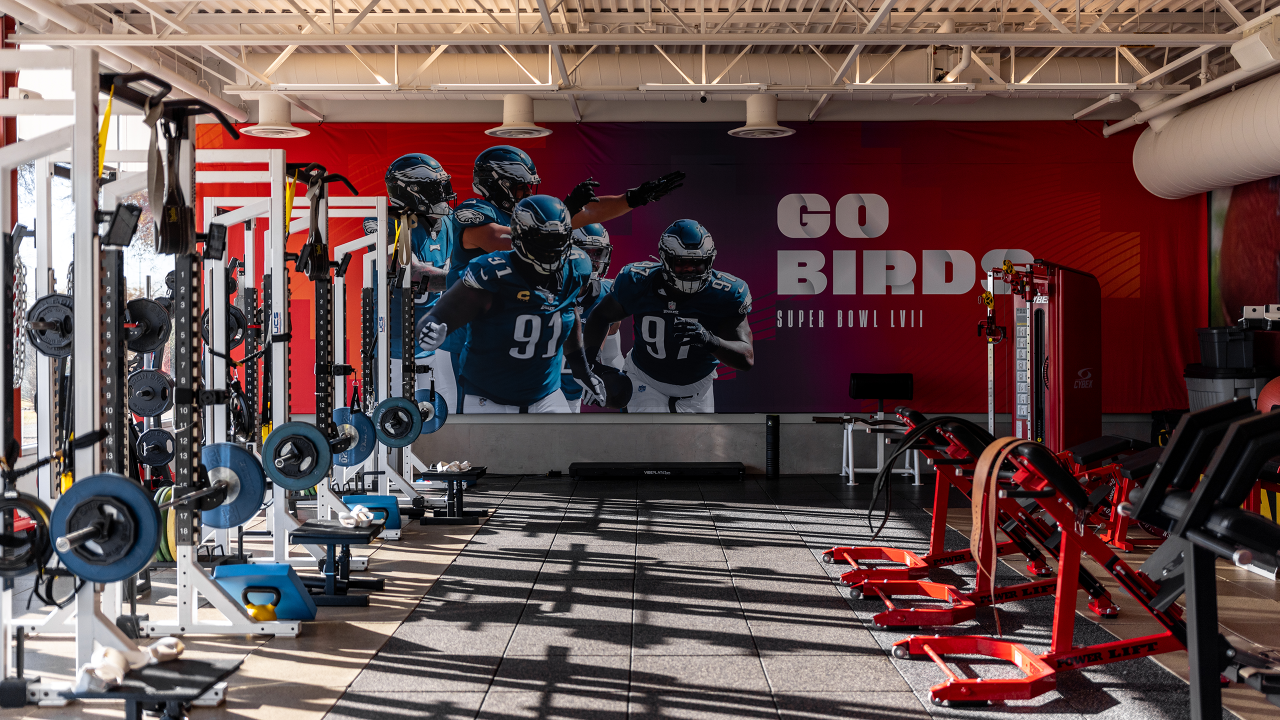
(71,276)
(19,320)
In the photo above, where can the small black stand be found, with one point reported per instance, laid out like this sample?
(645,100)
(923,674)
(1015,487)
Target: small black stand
(336,582)
(168,688)
(455,500)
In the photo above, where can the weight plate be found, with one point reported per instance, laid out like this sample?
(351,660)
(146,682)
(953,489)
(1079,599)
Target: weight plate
(171,530)
(227,461)
(26,546)
(433,419)
(134,499)
(396,422)
(167,536)
(150,325)
(155,447)
(236,325)
(296,456)
(50,324)
(150,393)
(366,440)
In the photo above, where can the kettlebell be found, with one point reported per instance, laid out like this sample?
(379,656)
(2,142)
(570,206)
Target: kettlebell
(265,612)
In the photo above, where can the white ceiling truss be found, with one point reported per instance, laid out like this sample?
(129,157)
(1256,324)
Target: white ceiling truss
(413,49)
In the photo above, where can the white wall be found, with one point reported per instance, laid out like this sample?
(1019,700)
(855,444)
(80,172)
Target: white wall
(536,444)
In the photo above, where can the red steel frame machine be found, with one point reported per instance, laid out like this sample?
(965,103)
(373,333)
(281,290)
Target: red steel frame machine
(1057,352)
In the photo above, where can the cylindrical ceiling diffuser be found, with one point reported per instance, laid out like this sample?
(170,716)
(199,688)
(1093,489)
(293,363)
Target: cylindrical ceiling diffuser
(517,119)
(762,119)
(273,119)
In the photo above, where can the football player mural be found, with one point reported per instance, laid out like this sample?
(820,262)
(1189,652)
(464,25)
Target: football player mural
(687,319)
(521,309)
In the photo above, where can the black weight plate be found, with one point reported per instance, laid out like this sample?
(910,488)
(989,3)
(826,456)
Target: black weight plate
(311,459)
(151,325)
(366,439)
(236,325)
(397,422)
(28,546)
(155,447)
(434,419)
(145,518)
(150,393)
(50,324)
(170,281)
(230,462)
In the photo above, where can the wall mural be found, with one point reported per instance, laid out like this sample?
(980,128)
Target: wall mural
(845,247)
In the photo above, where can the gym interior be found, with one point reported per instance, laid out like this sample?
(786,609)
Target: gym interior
(595,359)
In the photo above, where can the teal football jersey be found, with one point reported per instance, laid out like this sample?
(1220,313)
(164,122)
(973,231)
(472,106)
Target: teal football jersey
(654,307)
(514,351)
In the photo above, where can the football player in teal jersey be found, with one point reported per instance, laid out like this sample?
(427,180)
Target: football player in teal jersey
(420,195)
(688,318)
(502,176)
(593,239)
(520,307)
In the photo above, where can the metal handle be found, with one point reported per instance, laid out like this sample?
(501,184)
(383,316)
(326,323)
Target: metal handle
(214,488)
(74,540)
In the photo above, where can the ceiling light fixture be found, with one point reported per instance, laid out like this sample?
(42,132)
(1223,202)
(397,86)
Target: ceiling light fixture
(273,119)
(517,119)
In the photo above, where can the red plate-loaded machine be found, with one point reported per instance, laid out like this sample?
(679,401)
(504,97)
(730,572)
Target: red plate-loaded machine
(1057,357)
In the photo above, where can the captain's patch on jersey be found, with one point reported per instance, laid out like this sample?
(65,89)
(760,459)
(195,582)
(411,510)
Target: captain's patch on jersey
(467,215)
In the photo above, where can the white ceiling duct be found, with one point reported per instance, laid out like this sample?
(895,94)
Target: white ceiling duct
(1231,140)
(517,119)
(273,120)
(762,119)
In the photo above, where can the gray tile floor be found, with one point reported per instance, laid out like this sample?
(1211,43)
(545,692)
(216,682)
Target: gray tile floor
(677,600)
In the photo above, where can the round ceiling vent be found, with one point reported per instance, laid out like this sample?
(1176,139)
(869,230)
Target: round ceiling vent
(273,120)
(762,119)
(517,119)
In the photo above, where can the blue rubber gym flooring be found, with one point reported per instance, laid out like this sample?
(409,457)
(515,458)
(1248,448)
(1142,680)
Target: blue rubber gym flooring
(677,600)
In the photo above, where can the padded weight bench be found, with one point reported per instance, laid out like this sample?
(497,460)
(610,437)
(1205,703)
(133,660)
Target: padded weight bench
(878,387)
(167,688)
(337,568)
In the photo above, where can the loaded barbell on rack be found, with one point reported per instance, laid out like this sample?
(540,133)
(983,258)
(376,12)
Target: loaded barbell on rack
(107,528)
(297,455)
(24,545)
(237,324)
(50,325)
(155,447)
(147,325)
(150,393)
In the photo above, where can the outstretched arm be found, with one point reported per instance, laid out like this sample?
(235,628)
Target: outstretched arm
(457,307)
(490,238)
(608,312)
(586,207)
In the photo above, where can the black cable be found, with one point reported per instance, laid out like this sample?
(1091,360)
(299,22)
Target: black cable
(882,482)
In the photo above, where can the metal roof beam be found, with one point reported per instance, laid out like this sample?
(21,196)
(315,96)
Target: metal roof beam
(716,19)
(986,39)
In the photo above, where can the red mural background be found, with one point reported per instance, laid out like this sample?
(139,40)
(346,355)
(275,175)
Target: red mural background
(1057,191)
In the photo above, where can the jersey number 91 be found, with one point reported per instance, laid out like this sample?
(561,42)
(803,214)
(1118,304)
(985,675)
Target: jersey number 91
(528,331)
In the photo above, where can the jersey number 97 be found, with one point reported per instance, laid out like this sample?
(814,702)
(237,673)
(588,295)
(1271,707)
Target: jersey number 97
(653,330)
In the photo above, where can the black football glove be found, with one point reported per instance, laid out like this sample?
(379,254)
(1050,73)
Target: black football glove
(593,389)
(690,332)
(651,190)
(582,195)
